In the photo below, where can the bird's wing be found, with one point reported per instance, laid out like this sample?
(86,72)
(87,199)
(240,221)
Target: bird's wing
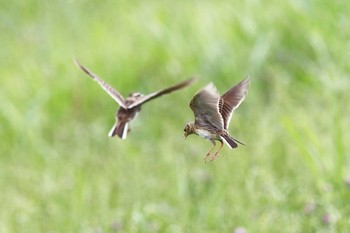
(205,106)
(154,95)
(232,99)
(110,90)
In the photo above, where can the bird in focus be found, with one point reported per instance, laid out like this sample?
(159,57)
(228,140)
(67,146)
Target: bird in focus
(131,105)
(213,114)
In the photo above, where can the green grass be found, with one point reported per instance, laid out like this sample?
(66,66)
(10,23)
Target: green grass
(59,172)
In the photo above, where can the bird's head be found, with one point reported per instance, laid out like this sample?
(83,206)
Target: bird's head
(132,98)
(135,95)
(189,129)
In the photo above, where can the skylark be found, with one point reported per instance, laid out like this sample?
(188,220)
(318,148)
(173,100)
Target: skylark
(213,114)
(131,105)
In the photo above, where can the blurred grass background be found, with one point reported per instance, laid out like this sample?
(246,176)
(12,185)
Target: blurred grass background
(59,172)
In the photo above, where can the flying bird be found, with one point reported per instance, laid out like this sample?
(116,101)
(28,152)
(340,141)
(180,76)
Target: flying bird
(213,114)
(131,105)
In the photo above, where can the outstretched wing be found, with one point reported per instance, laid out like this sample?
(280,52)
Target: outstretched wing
(232,99)
(168,90)
(205,106)
(110,90)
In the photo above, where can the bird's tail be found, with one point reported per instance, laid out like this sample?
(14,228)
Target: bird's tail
(120,129)
(230,141)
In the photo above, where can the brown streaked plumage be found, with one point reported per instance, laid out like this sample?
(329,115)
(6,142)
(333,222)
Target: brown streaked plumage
(213,114)
(131,105)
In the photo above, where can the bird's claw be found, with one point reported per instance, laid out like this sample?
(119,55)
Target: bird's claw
(206,157)
(214,157)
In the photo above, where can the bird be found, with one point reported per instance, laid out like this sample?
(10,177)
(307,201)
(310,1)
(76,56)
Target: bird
(213,114)
(131,105)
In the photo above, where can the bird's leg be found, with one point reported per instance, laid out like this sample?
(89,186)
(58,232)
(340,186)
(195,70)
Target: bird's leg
(206,157)
(217,152)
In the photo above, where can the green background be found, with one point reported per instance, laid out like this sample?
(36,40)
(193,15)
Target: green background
(59,172)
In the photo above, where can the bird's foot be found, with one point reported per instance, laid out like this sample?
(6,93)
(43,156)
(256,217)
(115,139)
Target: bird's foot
(214,157)
(206,157)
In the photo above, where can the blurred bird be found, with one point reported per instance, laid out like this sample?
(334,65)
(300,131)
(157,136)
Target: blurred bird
(131,105)
(213,114)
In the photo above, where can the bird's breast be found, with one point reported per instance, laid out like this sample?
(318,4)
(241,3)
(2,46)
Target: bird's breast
(205,134)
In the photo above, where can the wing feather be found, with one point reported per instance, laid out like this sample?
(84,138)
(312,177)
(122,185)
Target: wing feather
(105,86)
(165,91)
(205,106)
(232,99)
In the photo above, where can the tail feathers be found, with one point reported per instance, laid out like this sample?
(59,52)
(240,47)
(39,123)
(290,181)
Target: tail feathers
(231,142)
(120,129)
(239,142)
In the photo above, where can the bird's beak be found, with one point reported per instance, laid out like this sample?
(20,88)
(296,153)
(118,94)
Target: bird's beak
(185,136)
